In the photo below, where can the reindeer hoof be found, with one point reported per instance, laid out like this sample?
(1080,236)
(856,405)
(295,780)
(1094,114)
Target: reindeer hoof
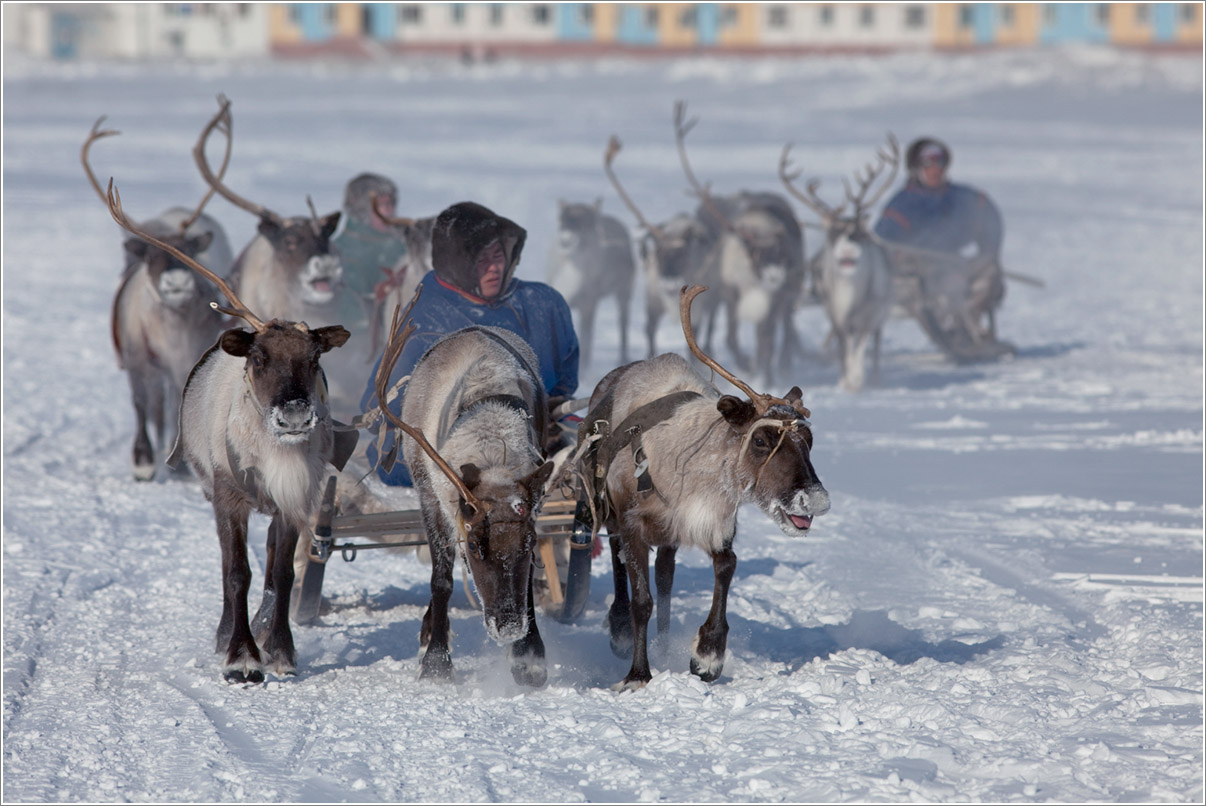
(629,684)
(144,472)
(706,669)
(436,665)
(529,672)
(243,676)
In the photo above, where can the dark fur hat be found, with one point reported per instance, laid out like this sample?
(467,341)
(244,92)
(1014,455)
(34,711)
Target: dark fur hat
(460,234)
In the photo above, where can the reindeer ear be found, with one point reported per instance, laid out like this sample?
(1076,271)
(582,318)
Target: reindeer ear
(331,337)
(736,412)
(329,225)
(199,244)
(137,248)
(795,395)
(536,480)
(268,228)
(471,475)
(237,342)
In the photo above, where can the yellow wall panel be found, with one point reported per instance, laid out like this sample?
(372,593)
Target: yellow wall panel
(744,30)
(947,33)
(282,30)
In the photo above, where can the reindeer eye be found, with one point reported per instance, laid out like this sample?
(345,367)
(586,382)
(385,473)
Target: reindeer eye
(760,441)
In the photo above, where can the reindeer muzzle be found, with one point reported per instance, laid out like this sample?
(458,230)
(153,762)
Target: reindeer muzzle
(293,421)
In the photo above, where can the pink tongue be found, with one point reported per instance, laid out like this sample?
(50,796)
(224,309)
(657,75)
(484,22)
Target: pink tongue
(801,523)
(322,285)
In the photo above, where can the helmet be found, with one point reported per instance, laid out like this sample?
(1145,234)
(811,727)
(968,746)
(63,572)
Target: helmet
(357,197)
(925,149)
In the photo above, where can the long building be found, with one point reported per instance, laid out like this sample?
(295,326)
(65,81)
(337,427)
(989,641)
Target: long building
(157,31)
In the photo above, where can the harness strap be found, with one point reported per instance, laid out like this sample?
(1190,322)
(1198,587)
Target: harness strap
(641,419)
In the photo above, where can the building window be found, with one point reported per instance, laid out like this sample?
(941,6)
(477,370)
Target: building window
(967,16)
(328,13)
(295,13)
(244,9)
(457,13)
(1103,14)
(1188,13)
(410,13)
(686,17)
(825,16)
(586,13)
(1006,16)
(914,16)
(1049,14)
(866,16)
(1143,13)
(496,14)
(540,14)
(776,17)
(728,17)
(651,18)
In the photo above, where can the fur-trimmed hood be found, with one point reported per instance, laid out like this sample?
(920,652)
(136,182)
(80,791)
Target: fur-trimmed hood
(460,234)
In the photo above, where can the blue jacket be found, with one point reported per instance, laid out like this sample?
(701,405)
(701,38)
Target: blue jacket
(534,311)
(945,219)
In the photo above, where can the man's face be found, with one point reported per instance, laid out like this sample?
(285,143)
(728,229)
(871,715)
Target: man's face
(387,206)
(933,174)
(490,263)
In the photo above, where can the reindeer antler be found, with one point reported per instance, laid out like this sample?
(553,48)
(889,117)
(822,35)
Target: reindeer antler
(761,402)
(222,120)
(809,197)
(613,148)
(209,194)
(113,200)
(393,221)
(681,127)
(891,157)
(96,134)
(393,349)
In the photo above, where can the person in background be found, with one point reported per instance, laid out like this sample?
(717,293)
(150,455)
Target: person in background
(368,246)
(474,253)
(937,218)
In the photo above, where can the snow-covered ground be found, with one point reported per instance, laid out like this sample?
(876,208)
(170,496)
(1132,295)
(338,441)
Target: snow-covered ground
(1004,604)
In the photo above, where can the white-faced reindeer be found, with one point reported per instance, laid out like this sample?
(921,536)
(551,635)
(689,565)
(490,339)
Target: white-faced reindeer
(161,321)
(591,261)
(758,256)
(254,428)
(856,283)
(288,270)
(677,462)
(478,393)
(674,253)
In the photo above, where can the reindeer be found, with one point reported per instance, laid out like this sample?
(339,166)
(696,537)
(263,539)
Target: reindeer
(478,392)
(758,254)
(592,260)
(289,271)
(673,253)
(254,429)
(160,321)
(695,457)
(856,282)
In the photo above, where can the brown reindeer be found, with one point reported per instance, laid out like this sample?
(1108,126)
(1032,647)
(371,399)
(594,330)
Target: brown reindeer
(161,321)
(678,462)
(254,428)
(758,257)
(478,392)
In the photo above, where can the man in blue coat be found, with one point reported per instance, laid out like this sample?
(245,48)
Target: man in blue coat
(949,238)
(474,253)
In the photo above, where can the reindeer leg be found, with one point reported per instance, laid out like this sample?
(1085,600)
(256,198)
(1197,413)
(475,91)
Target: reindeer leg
(587,328)
(653,313)
(765,335)
(663,574)
(527,654)
(637,557)
(619,615)
(437,658)
(279,651)
(263,616)
(143,455)
(707,650)
(243,664)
